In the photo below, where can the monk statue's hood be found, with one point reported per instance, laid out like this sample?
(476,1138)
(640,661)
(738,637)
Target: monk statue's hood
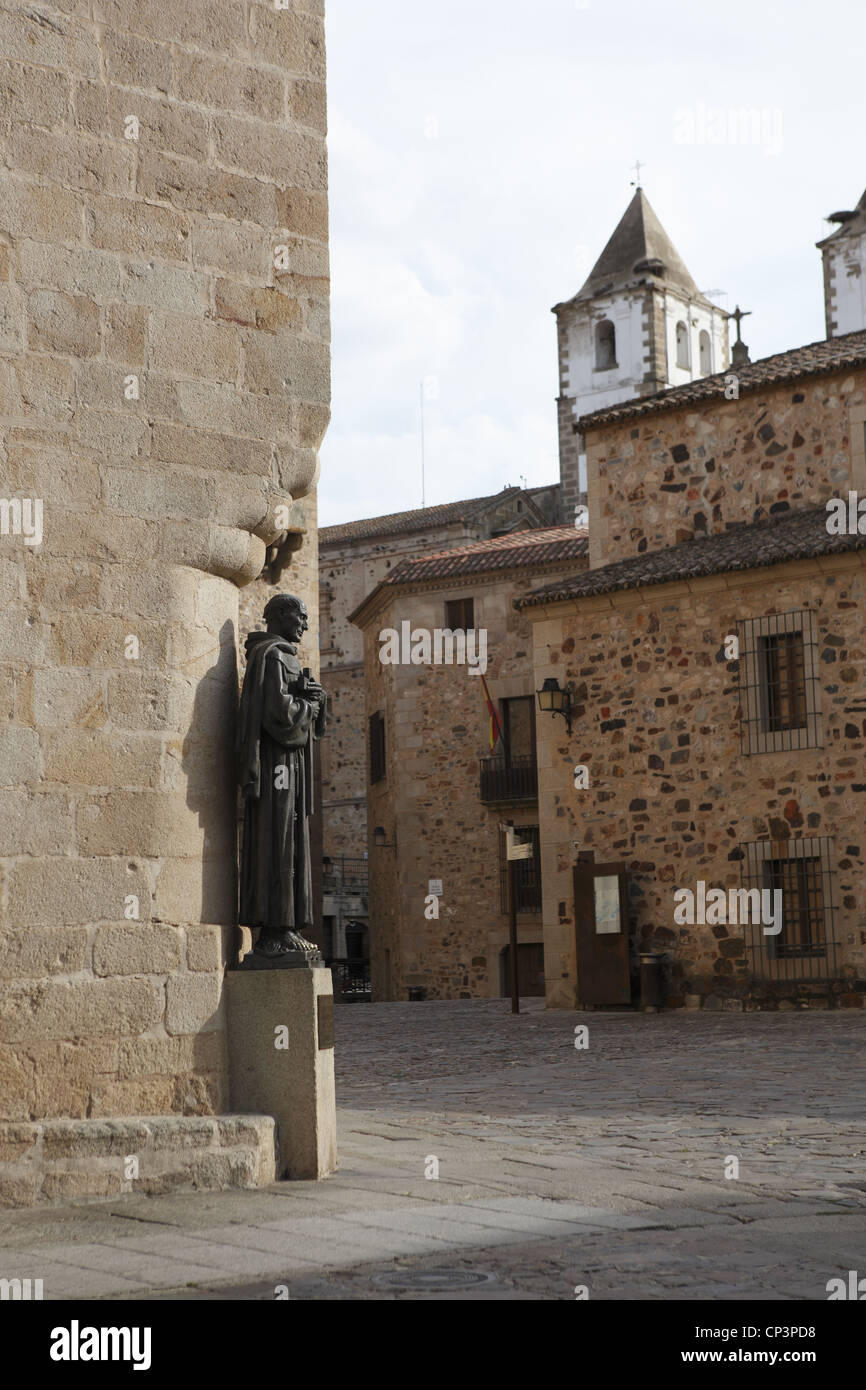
(256,639)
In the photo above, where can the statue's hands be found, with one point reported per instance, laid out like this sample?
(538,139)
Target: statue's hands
(315,694)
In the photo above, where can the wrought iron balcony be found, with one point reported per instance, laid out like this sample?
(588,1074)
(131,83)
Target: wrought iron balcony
(511,779)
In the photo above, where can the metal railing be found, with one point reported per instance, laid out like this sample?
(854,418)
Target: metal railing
(511,779)
(351,980)
(345,875)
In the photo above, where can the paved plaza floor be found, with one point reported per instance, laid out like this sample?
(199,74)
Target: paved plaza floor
(484,1156)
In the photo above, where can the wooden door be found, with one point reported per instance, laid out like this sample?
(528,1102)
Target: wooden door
(530,969)
(601,934)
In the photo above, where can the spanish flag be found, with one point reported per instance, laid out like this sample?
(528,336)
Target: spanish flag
(495,730)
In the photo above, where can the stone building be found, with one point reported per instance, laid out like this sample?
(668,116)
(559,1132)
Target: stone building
(354,558)
(638,283)
(714,654)
(620,337)
(436,796)
(164,388)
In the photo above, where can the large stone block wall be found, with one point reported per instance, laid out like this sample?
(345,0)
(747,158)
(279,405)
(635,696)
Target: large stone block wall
(149,259)
(657,725)
(300,577)
(656,480)
(436,730)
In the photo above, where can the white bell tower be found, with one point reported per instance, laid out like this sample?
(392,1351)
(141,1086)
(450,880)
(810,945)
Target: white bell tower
(638,325)
(844,254)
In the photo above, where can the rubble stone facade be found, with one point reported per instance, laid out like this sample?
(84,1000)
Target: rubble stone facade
(428,802)
(658,725)
(682,473)
(707,523)
(353,559)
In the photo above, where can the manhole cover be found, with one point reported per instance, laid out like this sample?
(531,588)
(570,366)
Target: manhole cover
(431,1278)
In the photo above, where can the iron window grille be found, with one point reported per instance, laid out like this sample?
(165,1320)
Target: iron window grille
(806,948)
(527,875)
(778,683)
(377,746)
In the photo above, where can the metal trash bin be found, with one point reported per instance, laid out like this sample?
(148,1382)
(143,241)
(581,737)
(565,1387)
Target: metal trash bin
(651,980)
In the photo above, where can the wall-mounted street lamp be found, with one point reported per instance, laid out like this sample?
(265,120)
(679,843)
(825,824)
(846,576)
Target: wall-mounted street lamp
(552,699)
(380,839)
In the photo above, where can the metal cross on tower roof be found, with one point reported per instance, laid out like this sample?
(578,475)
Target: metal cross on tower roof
(738,315)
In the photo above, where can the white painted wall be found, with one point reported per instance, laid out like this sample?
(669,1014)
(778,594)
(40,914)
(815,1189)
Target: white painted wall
(594,389)
(847,260)
(597,390)
(696,317)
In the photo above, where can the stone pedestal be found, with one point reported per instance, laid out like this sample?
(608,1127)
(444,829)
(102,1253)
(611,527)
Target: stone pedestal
(281,1062)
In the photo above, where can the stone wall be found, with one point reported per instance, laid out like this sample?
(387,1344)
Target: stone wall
(163,390)
(344,764)
(349,570)
(569,459)
(300,577)
(436,730)
(657,725)
(656,480)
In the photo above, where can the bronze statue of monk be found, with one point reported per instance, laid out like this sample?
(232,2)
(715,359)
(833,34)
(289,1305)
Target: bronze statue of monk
(282,710)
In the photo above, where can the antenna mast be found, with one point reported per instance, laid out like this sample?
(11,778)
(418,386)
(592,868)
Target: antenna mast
(421,393)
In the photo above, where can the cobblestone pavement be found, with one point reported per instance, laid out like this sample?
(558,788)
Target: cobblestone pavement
(559,1168)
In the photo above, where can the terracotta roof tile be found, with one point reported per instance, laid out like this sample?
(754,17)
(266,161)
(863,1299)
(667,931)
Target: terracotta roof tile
(829,355)
(418,520)
(545,546)
(799,535)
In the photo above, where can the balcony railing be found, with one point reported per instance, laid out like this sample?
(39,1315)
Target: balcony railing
(512,779)
(345,876)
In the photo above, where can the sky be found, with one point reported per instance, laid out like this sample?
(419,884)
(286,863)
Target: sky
(481,153)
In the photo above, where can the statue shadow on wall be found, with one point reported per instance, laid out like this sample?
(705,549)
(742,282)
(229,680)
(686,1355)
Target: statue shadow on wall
(208,760)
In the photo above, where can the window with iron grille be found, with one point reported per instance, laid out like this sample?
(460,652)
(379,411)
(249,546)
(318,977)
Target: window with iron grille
(460,614)
(778,683)
(377,746)
(802,871)
(527,873)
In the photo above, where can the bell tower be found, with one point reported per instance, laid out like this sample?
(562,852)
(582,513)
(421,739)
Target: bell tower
(638,325)
(844,255)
